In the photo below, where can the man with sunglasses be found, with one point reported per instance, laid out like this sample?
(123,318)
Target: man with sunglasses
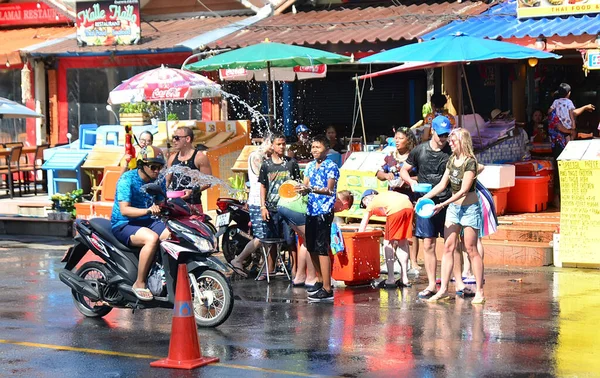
(430,159)
(131,219)
(190,157)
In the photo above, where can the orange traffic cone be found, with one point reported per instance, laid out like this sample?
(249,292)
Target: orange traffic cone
(184,348)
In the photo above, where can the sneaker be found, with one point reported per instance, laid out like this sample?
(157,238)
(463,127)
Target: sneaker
(311,289)
(321,296)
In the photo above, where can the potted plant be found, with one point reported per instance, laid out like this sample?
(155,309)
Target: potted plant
(64,204)
(137,114)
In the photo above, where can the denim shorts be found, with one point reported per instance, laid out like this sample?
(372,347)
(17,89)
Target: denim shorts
(430,227)
(291,216)
(259,226)
(466,216)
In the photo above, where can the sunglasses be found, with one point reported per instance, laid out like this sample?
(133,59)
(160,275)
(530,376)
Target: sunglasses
(444,135)
(155,167)
(177,137)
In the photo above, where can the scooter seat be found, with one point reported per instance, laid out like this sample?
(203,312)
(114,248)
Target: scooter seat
(103,227)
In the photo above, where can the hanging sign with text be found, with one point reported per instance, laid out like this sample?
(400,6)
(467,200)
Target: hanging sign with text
(554,8)
(106,23)
(25,14)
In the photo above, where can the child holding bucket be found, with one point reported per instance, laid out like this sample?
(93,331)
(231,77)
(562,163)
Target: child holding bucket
(398,210)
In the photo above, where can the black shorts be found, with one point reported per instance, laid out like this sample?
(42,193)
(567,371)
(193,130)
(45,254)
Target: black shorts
(318,233)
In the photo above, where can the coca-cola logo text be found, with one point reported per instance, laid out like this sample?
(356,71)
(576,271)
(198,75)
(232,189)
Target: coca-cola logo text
(166,93)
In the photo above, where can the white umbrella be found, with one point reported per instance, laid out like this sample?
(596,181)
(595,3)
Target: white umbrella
(11,109)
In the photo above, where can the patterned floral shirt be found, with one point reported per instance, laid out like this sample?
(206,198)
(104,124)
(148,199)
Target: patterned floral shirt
(318,203)
(563,108)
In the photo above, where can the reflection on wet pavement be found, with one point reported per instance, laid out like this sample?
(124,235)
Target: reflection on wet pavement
(544,324)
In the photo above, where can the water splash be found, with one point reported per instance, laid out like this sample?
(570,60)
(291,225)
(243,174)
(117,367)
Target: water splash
(186,177)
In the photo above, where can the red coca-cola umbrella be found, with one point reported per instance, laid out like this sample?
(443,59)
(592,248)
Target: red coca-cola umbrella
(163,84)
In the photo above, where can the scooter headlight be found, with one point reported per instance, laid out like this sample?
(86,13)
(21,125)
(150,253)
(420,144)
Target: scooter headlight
(202,244)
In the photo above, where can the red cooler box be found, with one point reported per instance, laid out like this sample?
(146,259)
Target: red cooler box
(529,195)
(359,263)
(537,168)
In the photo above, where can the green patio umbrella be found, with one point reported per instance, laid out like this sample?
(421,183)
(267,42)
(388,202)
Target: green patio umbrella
(265,55)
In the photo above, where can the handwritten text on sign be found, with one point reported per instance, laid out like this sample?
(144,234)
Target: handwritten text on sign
(580,212)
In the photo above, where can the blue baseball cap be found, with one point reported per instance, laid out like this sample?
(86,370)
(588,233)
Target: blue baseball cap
(367,192)
(441,125)
(302,129)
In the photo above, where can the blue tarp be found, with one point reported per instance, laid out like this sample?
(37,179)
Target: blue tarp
(501,21)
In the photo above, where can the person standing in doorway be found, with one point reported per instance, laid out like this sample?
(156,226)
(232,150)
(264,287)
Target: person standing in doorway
(188,156)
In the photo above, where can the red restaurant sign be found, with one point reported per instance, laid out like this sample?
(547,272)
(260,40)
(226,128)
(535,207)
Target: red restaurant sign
(22,14)
(106,23)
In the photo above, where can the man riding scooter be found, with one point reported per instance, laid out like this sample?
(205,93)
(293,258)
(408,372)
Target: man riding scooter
(131,219)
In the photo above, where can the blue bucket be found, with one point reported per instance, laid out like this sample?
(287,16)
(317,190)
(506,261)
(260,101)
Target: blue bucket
(424,208)
(421,188)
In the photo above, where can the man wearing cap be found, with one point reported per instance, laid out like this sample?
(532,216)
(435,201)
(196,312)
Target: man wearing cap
(398,210)
(430,159)
(301,149)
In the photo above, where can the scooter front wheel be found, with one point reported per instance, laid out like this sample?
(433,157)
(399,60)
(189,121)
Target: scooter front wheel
(212,297)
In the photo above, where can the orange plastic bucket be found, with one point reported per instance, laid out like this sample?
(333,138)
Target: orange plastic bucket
(288,189)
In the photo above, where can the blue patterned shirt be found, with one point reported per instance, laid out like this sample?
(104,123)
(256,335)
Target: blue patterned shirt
(129,190)
(318,203)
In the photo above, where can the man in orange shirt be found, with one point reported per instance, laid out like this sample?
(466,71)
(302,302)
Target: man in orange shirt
(398,210)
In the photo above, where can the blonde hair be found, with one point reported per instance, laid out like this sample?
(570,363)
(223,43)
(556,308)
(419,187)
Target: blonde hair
(464,141)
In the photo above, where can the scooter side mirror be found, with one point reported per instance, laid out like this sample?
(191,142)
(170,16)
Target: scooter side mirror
(154,190)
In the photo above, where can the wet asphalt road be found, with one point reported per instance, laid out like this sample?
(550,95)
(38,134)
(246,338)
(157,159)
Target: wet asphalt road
(540,322)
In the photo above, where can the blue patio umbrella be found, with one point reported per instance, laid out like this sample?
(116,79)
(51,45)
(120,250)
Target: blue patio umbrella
(457,48)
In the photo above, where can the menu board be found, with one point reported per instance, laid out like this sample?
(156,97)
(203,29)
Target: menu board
(553,8)
(580,205)
(108,22)
(357,182)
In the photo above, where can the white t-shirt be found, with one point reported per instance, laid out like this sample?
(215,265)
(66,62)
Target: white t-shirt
(254,195)
(563,107)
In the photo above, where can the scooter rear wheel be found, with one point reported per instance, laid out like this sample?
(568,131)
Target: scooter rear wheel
(215,302)
(91,271)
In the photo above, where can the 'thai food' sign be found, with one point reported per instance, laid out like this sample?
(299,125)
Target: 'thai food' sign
(106,23)
(553,8)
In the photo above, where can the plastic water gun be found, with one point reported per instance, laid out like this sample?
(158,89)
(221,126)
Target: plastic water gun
(129,149)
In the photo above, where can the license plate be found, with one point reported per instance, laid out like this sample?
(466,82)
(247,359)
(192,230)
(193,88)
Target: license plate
(223,219)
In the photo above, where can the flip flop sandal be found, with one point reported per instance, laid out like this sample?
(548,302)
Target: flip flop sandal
(263,276)
(443,298)
(238,271)
(401,284)
(138,293)
(426,294)
(299,284)
(466,292)
(478,301)
(385,285)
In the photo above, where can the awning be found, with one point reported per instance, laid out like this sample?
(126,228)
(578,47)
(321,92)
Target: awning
(501,21)
(157,36)
(14,40)
(353,25)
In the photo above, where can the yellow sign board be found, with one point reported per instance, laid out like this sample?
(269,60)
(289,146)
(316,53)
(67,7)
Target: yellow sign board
(580,212)
(357,182)
(554,8)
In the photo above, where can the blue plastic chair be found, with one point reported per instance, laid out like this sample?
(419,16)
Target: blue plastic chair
(110,134)
(87,136)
